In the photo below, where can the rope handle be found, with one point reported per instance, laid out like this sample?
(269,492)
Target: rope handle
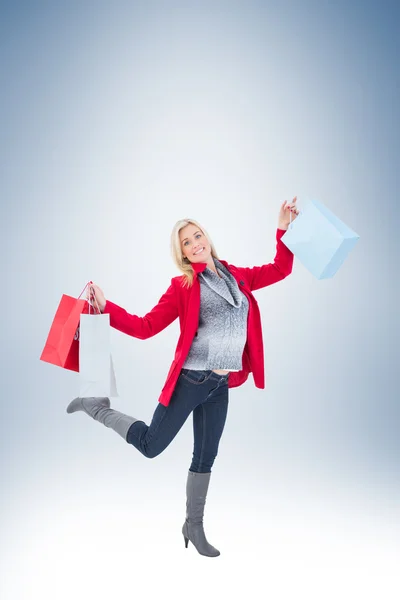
(90,305)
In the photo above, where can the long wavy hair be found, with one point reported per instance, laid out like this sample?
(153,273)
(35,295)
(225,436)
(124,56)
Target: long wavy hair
(183,263)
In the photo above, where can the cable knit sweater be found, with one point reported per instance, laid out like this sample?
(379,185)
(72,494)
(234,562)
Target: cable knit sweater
(222,329)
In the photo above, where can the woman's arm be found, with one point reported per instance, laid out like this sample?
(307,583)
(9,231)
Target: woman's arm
(162,315)
(259,277)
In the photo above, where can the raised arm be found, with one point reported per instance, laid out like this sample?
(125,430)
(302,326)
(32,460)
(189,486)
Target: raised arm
(259,277)
(162,315)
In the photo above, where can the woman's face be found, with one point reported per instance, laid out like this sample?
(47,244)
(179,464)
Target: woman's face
(194,244)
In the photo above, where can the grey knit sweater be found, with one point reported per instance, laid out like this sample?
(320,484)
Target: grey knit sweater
(222,329)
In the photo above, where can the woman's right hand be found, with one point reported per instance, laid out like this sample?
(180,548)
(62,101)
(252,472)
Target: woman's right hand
(95,296)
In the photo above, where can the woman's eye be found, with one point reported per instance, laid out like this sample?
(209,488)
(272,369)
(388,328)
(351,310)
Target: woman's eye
(197,236)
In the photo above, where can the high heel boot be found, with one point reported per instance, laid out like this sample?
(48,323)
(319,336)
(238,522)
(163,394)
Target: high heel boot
(196,493)
(99,409)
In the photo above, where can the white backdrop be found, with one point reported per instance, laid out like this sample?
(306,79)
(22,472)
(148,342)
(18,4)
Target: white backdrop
(118,120)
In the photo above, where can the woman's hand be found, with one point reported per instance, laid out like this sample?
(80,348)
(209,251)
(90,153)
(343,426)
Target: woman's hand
(95,296)
(284,213)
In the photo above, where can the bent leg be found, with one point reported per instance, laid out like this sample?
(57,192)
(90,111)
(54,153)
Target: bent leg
(152,439)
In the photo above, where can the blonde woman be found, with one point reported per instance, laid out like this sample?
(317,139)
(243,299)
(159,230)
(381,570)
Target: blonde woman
(219,345)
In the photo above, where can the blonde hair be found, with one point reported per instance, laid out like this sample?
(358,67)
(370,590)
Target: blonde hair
(181,262)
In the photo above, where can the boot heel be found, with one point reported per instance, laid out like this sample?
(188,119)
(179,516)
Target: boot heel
(186,540)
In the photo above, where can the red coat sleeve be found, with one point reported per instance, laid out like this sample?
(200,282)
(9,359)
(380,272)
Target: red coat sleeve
(162,315)
(259,277)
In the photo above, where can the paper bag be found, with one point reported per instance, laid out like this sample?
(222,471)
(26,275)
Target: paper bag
(62,344)
(319,239)
(96,369)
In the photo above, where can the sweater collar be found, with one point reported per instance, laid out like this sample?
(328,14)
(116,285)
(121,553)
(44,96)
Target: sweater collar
(224,284)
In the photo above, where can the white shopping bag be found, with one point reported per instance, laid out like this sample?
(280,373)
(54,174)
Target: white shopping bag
(96,369)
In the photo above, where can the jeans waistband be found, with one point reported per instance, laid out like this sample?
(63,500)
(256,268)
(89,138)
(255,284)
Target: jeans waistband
(208,373)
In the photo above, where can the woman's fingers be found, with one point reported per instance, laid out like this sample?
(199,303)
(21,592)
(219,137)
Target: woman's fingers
(288,205)
(90,292)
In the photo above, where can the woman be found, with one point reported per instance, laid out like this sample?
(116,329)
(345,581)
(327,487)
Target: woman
(219,345)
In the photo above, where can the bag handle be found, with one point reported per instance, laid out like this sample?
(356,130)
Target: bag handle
(90,305)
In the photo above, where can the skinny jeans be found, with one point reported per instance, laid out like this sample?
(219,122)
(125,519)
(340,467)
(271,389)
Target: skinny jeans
(203,393)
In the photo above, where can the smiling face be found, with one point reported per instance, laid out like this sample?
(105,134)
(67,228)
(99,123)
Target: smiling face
(194,245)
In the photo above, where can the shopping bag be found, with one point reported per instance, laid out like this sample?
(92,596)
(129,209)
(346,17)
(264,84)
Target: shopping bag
(96,369)
(319,239)
(62,344)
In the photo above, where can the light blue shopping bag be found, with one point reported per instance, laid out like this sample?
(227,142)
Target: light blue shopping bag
(319,239)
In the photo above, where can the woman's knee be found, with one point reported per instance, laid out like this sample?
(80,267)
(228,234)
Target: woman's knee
(149,448)
(150,451)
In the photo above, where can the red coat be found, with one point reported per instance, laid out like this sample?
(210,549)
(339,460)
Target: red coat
(185,304)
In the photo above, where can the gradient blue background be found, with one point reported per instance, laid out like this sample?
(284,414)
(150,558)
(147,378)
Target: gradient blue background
(117,119)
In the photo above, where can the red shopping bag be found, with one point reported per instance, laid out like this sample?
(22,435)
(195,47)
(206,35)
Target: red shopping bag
(62,344)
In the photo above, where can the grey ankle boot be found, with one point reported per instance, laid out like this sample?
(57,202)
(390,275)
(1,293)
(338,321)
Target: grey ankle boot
(99,409)
(196,493)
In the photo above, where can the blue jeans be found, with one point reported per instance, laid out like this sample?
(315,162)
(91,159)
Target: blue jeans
(204,393)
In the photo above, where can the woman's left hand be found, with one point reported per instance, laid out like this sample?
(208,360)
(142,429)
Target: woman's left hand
(284,213)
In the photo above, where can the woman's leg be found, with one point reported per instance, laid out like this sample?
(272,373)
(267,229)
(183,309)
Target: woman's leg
(191,389)
(209,419)
(99,409)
